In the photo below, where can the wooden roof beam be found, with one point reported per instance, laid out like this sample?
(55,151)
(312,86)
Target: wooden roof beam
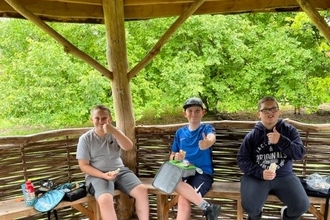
(313,14)
(166,36)
(68,47)
(91,11)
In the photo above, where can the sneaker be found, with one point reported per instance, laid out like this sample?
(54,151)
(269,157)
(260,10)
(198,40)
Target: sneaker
(282,211)
(212,212)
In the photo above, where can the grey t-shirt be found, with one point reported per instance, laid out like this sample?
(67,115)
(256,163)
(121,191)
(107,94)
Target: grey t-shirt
(103,153)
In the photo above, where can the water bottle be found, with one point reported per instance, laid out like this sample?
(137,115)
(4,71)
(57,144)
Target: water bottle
(29,195)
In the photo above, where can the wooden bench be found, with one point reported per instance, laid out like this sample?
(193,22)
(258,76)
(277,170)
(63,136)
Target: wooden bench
(16,208)
(37,156)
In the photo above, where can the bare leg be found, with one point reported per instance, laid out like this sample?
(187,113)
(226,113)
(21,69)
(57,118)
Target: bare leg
(140,193)
(184,209)
(107,209)
(189,193)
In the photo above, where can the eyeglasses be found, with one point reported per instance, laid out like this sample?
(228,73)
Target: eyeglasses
(268,110)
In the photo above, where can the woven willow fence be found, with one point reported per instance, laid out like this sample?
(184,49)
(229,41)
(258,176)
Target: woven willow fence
(51,155)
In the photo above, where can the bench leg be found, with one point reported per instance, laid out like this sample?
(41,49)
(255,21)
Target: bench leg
(84,210)
(315,212)
(322,209)
(94,208)
(239,210)
(161,203)
(164,205)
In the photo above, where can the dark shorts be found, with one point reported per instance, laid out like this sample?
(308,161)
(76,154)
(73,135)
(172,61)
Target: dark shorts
(202,183)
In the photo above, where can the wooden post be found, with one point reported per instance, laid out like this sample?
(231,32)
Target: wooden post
(117,59)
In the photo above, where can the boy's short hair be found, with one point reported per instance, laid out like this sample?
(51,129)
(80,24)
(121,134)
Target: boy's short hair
(100,107)
(194,101)
(265,99)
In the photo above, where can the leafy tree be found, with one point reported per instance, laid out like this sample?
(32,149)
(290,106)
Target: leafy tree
(43,84)
(229,61)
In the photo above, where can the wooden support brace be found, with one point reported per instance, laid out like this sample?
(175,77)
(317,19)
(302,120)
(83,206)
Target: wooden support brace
(315,212)
(171,203)
(83,210)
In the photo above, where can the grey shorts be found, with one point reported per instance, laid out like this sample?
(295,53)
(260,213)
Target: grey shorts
(125,181)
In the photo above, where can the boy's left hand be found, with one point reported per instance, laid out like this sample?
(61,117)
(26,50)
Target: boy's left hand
(108,128)
(273,137)
(205,143)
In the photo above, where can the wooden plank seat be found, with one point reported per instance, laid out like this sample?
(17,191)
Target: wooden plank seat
(165,202)
(16,208)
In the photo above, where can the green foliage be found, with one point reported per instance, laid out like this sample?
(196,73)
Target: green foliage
(223,58)
(229,61)
(44,85)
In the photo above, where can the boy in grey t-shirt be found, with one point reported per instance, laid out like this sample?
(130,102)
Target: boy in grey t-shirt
(98,155)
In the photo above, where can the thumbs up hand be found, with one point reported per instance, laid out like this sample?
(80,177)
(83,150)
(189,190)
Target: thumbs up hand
(205,143)
(273,137)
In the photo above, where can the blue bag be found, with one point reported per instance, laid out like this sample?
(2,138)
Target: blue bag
(52,194)
(49,200)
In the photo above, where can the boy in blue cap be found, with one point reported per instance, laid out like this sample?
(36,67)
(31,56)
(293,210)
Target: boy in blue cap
(194,143)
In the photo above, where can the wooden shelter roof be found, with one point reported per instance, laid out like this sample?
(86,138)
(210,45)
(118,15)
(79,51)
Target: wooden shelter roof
(91,11)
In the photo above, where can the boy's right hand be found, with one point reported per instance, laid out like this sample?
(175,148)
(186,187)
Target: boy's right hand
(268,174)
(179,156)
(111,175)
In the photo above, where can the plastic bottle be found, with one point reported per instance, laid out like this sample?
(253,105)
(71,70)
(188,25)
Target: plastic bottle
(30,196)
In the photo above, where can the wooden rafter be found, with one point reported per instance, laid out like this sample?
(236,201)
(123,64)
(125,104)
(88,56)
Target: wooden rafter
(68,47)
(313,14)
(91,11)
(156,49)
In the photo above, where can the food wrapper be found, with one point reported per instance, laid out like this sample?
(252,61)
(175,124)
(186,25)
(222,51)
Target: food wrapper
(113,172)
(273,167)
(183,153)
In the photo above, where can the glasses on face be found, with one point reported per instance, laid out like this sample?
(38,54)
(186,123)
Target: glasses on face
(268,110)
